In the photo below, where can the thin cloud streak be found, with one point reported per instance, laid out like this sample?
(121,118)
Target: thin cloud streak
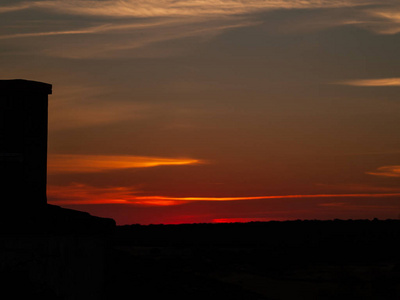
(173,8)
(132,36)
(149,22)
(82,194)
(77,193)
(69,163)
(390,17)
(268,197)
(21,6)
(65,115)
(173,33)
(387,171)
(91,30)
(372,82)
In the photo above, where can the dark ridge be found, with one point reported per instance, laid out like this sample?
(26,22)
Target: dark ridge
(338,259)
(346,236)
(62,220)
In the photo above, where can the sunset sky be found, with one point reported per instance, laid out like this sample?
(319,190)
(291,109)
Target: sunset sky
(173,111)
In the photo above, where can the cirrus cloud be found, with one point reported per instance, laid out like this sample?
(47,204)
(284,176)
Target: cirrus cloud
(172,8)
(125,27)
(80,194)
(387,171)
(372,82)
(74,163)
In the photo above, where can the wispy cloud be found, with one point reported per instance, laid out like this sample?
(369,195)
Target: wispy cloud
(271,197)
(65,115)
(372,82)
(77,193)
(171,8)
(92,29)
(69,163)
(387,171)
(16,7)
(122,27)
(85,194)
(125,43)
(115,39)
(388,20)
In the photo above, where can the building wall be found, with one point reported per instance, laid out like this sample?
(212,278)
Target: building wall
(23,145)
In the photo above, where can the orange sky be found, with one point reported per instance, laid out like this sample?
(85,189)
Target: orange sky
(283,109)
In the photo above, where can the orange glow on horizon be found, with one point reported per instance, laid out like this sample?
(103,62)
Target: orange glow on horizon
(71,163)
(240,220)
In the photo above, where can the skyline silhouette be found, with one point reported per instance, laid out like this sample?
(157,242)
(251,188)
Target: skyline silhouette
(23,165)
(215,111)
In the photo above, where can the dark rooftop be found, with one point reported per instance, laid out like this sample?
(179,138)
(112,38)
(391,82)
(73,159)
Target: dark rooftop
(22,85)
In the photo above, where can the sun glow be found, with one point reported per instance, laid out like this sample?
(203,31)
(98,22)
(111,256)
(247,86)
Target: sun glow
(240,220)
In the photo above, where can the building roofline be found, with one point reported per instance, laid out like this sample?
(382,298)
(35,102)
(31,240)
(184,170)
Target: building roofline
(25,86)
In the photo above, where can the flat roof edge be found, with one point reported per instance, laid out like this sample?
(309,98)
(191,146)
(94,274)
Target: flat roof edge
(23,85)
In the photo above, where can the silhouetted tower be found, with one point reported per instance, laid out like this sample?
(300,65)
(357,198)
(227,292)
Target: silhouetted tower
(23,145)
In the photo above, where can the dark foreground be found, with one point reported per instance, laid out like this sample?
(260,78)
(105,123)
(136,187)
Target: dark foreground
(273,260)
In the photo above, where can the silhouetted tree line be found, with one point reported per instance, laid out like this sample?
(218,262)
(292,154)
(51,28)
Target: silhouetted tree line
(311,238)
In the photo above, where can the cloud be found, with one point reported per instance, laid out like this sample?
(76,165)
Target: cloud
(272,197)
(387,20)
(387,171)
(123,38)
(104,28)
(126,27)
(69,163)
(81,194)
(126,44)
(16,7)
(76,106)
(173,8)
(77,193)
(372,82)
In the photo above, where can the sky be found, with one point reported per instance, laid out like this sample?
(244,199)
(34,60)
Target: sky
(172,111)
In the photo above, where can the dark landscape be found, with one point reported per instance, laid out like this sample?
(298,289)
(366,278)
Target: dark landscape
(353,259)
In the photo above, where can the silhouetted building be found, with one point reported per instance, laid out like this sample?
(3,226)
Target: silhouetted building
(23,145)
(46,251)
